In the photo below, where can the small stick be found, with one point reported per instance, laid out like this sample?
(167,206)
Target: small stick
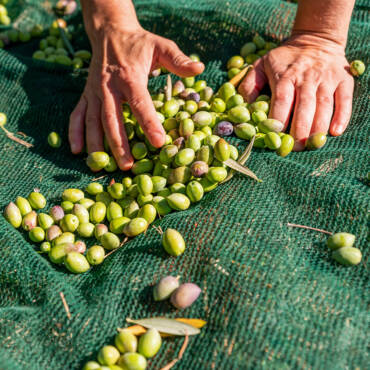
(22,134)
(114,250)
(179,357)
(158,229)
(11,136)
(168,88)
(65,304)
(66,41)
(309,228)
(99,178)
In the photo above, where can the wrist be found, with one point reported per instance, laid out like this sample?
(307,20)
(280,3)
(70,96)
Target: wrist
(315,40)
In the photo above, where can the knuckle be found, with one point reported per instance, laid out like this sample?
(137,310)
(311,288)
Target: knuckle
(324,100)
(282,96)
(136,102)
(178,59)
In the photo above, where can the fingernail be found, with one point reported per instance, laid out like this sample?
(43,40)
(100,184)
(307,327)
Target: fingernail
(158,139)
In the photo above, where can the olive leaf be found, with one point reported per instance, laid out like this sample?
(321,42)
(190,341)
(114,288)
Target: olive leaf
(168,326)
(243,158)
(239,168)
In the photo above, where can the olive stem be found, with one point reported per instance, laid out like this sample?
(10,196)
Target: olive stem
(124,241)
(309,228)
(158,229)
(99,178)
(11,136)
(65,304)
(168,88)
(179,357)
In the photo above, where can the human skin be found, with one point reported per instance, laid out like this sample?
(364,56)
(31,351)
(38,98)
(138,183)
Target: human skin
(309,72)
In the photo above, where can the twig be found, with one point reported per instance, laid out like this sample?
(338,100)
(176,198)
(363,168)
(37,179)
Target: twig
(65,304)
(22,134)
(309,228)
(158,229)
(179,357)
(114,250)
(11,136)
(238,78)
(99,178)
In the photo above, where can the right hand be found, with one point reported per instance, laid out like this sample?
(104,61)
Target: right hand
(121,63)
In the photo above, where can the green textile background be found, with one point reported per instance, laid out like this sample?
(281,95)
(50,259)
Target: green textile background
(272,297)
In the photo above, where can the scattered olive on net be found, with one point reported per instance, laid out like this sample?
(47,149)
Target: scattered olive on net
(347,256)
(357,67)
(316,141)
(54,140)
(173,242)
(341,240)
(185,295)
(165,287)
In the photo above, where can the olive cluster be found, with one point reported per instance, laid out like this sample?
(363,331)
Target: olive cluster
(343,251)
(128,352)
(249,53)
(54,47)
(124,207)
(14,35)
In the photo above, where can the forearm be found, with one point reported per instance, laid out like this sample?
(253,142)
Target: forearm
(327,19)
(102,15)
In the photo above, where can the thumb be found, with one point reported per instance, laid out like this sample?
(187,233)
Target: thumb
(173,59)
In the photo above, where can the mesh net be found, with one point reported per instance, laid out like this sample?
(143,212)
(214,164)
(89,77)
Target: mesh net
(272,296)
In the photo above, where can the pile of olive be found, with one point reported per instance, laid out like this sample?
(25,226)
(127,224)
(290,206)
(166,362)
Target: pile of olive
(343,250)
(128,353)
(14,35)
(4,17)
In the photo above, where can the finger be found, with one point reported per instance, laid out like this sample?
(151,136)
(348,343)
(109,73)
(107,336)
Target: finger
(94,131)
(282,99)
(172,58)
(253,82)
(143,109)
(343,107)
(111,116)
(76,126)
(324,110)
(304,112)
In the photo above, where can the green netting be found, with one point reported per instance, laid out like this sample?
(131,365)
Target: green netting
(272,296)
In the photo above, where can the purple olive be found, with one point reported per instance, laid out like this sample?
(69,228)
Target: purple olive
(80,246)
(199,168)
(224,128)
(185,295)
(179,142)
(57,213)
(193,96)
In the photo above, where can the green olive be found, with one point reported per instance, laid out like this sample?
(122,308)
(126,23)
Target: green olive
(218,105)
(95,255)
(258,116)
(347,256)
(234,101)
(167,154)
(194,191)
(135,227)
(262,106)
(117,225)
(144,184)
(200,85)
(69,223)
(222,150)
(161,205)
(108,355)
(164,192)
(132,361)
(272,140)
(202,119)
(94,188)
(132,209)
(259,141)
(36,200)
(150,343)
(316,141)
(188,81)
(58,252)
(91,365)
(125,341)
(178,187)
(248,48)
(232,72)
(110,241)
(72,195)
(357,67)
(178,201)
(114,210)
(64,238)
(139,150)
(159,183)
(104,198)
(191,107)
(211,140)
(208,185)
(170,108)
(81,212)
(235,62)
(226,91)
(76,263)
(86,230)
(184,157)
(186,127)
(180,174)
(97,160)
(117,190)
(148,212)
(54,140)
(193,142)
(44,220)
(173,242)
(205,154)
(13,215)
(112,165)
(341,240)
(216,174)
(127,182)
(287,144)
(234,154)
(67,206)
(45,247)
(239,114)
(144,199)
(206,94)
(98,212)
(245,131)
(270,125)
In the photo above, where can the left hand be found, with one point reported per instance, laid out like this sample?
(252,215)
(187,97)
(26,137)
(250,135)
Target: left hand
(310,73)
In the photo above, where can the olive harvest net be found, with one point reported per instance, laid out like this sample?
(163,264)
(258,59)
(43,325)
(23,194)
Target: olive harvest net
(271,295)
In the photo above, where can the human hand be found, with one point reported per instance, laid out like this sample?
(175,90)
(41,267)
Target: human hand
(309,78)
(121,62)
